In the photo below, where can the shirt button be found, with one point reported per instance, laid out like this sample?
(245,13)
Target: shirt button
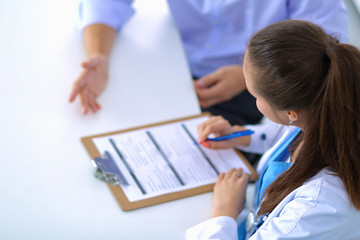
(215,23)
(208,46)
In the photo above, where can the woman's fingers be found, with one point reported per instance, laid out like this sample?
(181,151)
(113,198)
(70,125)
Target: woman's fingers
(215,125)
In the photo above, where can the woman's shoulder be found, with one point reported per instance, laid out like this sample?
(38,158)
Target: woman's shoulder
(320,207)
(326,186)
(325,194)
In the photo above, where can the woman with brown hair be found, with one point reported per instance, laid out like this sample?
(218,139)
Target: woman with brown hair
(309,186)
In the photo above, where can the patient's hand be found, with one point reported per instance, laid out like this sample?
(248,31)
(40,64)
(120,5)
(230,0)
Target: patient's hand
(91,83)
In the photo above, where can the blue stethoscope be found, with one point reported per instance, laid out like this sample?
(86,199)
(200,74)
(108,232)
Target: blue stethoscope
(275,166)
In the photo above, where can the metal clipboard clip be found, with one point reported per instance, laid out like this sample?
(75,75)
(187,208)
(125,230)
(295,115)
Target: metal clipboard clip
(108,171)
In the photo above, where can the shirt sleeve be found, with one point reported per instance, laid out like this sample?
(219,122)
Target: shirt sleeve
(113,13)
(220,228)
(265,136)
(331,15)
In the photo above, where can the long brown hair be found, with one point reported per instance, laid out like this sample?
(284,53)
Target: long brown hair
(300,67)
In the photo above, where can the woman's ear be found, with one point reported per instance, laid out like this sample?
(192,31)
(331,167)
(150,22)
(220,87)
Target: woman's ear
(293,116)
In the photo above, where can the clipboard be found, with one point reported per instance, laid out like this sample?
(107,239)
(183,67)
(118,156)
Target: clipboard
(116,189)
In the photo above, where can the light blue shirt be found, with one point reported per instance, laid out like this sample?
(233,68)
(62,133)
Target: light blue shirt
(215,32)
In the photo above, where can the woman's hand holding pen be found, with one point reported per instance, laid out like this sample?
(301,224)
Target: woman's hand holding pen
(218,126)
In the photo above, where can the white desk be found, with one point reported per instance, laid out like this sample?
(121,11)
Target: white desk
(47,187)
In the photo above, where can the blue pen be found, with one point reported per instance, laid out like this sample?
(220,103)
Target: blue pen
(230,136)
(233,135)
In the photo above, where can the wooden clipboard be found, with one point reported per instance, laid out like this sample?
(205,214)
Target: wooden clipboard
(118,192)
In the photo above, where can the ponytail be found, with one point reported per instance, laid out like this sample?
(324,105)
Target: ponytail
(340,117)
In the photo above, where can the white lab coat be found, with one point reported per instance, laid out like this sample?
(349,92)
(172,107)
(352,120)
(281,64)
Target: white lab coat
(320,209)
